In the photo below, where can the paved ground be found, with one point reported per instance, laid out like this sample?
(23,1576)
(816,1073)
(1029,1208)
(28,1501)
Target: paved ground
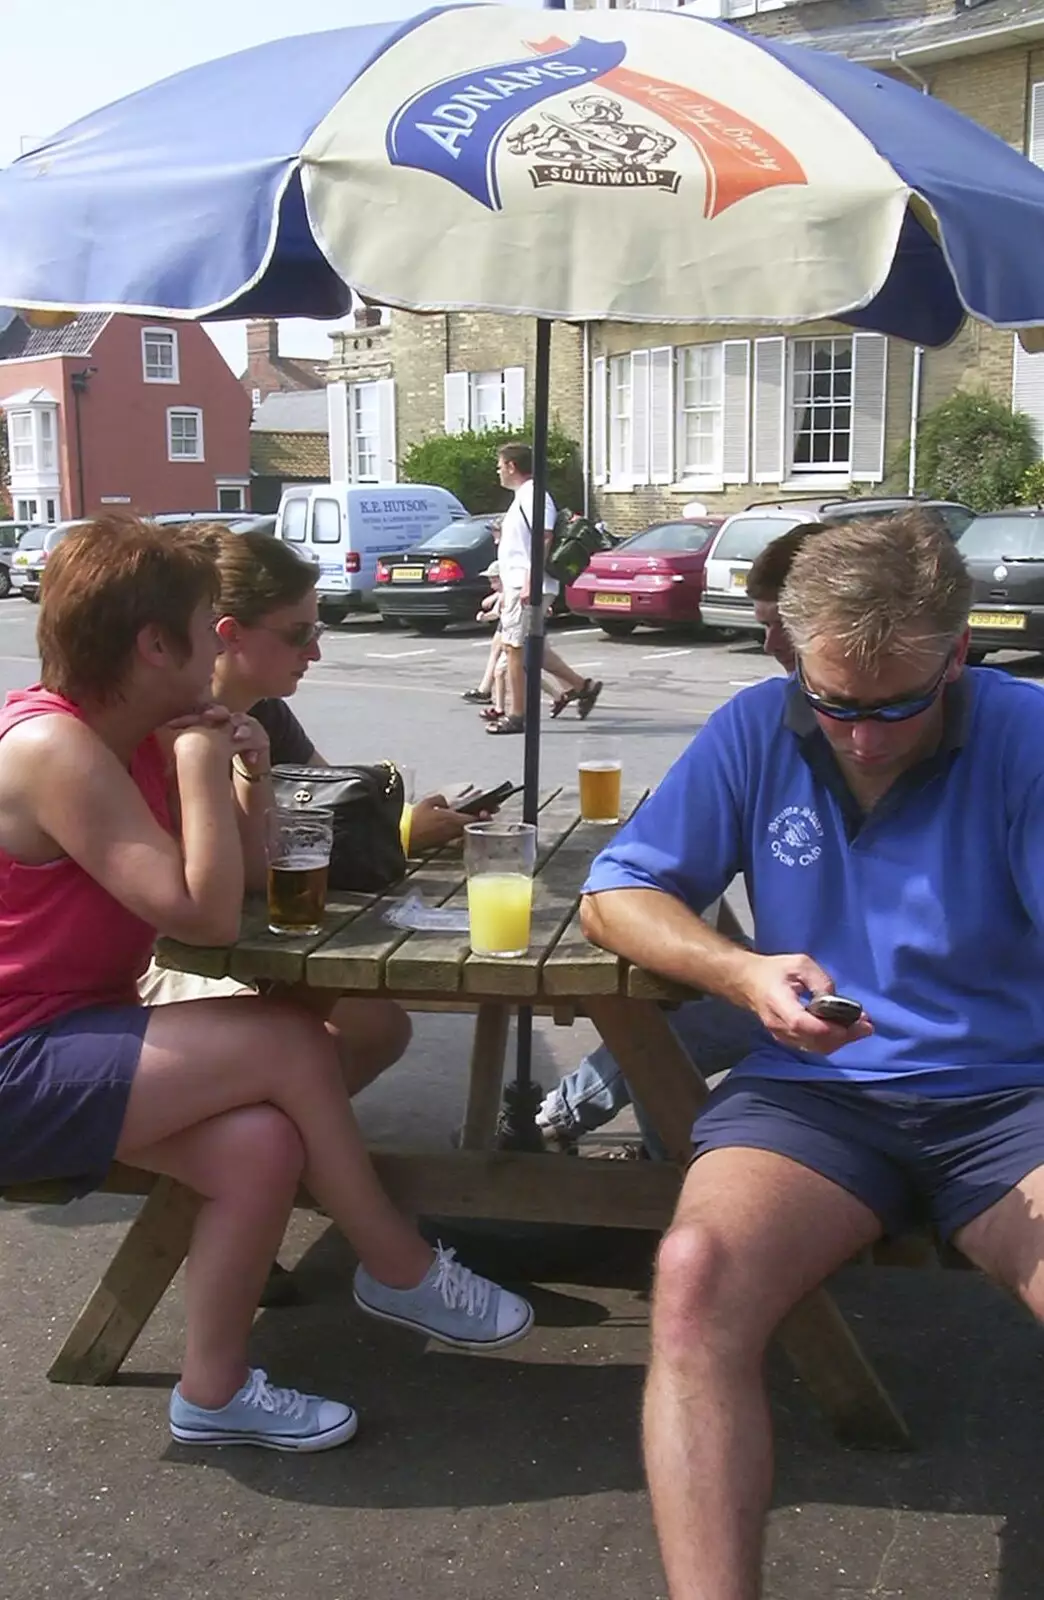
(474,1478)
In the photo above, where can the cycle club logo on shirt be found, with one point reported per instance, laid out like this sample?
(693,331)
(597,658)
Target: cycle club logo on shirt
(455,128)
(794,836)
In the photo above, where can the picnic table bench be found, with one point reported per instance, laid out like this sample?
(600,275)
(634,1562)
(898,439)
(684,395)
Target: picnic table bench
(359,953)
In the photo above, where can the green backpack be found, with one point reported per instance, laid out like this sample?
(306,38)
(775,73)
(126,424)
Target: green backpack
(574,541)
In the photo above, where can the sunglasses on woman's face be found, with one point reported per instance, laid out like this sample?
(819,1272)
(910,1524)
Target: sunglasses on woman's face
(297,635)
(898,710)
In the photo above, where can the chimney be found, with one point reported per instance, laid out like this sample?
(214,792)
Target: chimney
(367,316)
(262,335)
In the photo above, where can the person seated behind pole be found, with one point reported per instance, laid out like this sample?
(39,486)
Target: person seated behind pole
(716,1033)
(846,794)
(267,623)
(106,841)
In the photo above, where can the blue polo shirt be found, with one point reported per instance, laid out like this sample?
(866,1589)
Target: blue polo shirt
(929,909)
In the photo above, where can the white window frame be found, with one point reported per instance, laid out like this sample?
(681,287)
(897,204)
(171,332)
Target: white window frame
(364,434)
(641,418)
(599,420)
(621,412)
(232,486)
(17,421)
(179,412)
(833,471)
(480,386)
(689,477)
(174,375)
(462,391)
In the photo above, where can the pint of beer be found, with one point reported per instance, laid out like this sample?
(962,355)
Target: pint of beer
(299,849)
(600,768)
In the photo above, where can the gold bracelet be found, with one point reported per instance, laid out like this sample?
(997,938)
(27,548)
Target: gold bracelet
(240,768)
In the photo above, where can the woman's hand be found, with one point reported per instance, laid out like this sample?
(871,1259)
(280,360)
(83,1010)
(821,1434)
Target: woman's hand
(433,823)
(250,743)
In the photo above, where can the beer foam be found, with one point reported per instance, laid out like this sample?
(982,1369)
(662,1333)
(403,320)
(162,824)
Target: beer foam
(302,861)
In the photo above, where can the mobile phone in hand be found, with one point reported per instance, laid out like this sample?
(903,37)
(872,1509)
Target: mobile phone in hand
(487,799)
(836,1008)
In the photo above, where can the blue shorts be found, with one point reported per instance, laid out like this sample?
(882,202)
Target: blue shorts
(910,1158)
(63,1095)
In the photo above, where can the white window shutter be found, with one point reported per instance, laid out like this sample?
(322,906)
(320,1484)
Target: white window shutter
(598,419)
(337,418)
(661,407)
(514,397)
(770,394)
(1035,149)
(455,394)
(869,378)
(640,416)
(387,466)
(1027,390)
(735,414)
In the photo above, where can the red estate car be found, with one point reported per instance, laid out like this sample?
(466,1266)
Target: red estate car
(655,577)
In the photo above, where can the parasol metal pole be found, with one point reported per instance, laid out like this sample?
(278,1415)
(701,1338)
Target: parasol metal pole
(518,1130)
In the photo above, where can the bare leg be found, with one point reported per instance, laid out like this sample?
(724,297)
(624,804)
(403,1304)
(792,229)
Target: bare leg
(371,1035)
(516,681)
(208,1057)
(492,659)
(553,663)
(1006,1241)
(753,1233)
(237,1233)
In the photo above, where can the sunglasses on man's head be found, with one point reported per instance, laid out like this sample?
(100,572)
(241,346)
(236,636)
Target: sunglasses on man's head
(298,635)
(898,710)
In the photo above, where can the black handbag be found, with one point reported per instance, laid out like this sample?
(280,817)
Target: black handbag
(367,808)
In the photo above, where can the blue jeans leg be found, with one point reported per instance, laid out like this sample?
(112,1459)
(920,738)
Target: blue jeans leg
(716,1034)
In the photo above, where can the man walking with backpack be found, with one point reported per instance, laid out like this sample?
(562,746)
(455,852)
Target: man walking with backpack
(515,471)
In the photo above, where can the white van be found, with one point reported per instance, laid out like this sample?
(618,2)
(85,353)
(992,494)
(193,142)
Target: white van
(344,527)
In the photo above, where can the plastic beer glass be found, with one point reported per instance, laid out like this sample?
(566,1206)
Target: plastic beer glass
(299,848)
(600,768)
(499,858)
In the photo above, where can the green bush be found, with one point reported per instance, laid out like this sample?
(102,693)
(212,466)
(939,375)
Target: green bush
(975,449)
(1031,489)
(466,464)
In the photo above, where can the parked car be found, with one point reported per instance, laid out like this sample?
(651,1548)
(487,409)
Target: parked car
(439,580)
(1004,552)
(30,558)
(655,577)
(739,540)
(955,516)
(240,521)
(10,534)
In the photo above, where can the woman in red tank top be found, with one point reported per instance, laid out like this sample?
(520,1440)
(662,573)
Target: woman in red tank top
(92,866)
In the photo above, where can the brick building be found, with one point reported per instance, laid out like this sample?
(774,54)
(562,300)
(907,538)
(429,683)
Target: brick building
(289,443)
(268,372)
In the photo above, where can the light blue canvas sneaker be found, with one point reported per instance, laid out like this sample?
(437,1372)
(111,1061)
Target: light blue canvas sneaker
(451,1303)
(274,1419)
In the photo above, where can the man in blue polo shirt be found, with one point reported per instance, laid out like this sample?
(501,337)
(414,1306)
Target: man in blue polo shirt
(886,808)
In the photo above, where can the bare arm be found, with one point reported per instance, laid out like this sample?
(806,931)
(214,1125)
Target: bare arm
(657,931)
(72,796)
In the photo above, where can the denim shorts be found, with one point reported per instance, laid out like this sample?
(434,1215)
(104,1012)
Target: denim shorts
(910,1158)
(63,1095)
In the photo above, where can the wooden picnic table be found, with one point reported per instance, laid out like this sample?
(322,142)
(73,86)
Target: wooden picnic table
(359,953)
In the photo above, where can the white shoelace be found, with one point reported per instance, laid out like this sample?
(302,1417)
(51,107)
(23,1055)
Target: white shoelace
(257,1391)
(459,1287)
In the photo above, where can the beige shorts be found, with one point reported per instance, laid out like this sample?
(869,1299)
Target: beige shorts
(159,986)
(514,618)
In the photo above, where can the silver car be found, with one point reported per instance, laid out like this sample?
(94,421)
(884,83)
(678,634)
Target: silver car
(30,558)
(10,535)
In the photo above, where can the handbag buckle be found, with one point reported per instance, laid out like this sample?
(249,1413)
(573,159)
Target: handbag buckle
(302,797)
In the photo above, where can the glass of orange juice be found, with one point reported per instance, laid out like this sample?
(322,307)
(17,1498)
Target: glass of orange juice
(600,767)
(499,858)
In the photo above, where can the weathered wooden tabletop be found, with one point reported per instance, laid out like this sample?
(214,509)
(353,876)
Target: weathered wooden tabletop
(358,952)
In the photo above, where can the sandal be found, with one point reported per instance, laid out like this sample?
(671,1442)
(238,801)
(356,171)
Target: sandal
(566,698)
(585,700)
(490,714)
(480,697)
(507,725)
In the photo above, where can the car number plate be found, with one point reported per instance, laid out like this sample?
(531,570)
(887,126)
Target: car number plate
(619,602)
(738,580)
(407,574)
(997,619)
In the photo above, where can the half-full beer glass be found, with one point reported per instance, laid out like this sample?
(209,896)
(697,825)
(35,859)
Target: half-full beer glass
(299,847)
(600,767)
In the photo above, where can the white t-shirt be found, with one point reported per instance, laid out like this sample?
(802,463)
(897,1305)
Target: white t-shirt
(513,552)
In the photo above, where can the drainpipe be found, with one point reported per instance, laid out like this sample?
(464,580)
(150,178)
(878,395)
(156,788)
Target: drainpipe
(915,407)
(78,382)
(918,360)
(585,449)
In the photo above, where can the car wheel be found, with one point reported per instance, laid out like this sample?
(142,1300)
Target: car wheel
(430,625)
(5,582)
(617,630)
(333,616)
(32,595)
(975,658)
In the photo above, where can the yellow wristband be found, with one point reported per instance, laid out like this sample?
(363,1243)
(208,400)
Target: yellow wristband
(406,827)
(240,768)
